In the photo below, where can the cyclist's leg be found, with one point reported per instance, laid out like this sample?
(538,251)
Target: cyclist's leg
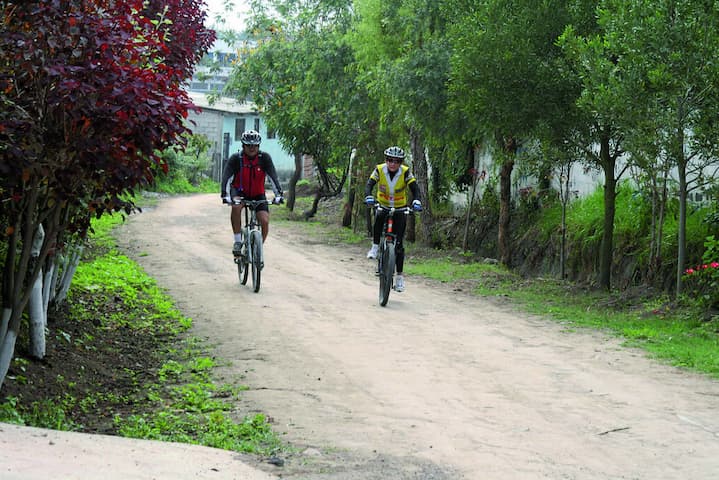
(236,214)
(379,218)
(236,219)
(400,224)
(263,216)
(236,222)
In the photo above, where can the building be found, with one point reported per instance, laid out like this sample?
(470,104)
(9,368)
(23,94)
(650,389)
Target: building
(223,122)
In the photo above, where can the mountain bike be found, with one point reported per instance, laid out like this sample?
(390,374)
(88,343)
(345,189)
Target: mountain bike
(387,256)
(251,257)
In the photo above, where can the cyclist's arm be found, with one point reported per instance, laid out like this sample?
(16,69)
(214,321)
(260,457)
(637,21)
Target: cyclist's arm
(269,168)
(415,191)
(228,174)
(369,187)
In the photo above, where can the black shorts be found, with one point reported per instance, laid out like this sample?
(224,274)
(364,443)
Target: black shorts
(260,208)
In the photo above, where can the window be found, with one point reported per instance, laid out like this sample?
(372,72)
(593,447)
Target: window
(257,124)
(239,128)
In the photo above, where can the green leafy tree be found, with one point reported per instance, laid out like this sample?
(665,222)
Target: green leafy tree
(645,72)
(667,51)
(296,70)
(508,80)
(403,55)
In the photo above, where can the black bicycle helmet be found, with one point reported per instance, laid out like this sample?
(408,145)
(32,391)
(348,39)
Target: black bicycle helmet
(251,137)
(394,152)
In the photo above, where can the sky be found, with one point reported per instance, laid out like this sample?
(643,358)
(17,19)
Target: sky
(233,18)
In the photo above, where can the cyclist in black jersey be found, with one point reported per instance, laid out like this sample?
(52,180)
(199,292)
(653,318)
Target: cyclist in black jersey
(244,177)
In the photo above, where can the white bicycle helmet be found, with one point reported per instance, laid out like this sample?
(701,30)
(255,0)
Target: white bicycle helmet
(251,137)
(394,152)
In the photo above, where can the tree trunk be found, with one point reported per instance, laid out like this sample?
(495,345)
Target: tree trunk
(349,202)
(49,283)
(470,203)
(36,310)
(38,320)
(421,172)
(509,147)
(682,226)
(315,204)
(7,348)
(72,260)
(610,194)
(292,188)
(564,194)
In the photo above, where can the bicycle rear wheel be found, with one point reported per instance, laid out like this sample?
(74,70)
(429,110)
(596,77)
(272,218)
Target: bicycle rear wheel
(256,246)
(386,272)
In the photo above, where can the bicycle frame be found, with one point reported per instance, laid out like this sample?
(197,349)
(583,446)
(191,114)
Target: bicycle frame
(252,243)
(387,256)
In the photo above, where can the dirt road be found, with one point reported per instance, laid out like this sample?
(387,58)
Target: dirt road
(437,385)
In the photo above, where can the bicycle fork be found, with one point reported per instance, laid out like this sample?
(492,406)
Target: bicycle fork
(390,224)
(388,235)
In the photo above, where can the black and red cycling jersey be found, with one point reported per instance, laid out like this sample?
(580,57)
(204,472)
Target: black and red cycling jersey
(247,175)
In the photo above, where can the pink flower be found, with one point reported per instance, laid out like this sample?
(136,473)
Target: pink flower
(714,264)
(689,271)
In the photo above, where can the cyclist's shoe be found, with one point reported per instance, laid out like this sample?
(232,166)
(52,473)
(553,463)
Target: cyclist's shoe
(237,249)
(373,251)
(399,283)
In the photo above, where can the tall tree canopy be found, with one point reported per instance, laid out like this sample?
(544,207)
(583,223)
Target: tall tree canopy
(507,79)
(295,68)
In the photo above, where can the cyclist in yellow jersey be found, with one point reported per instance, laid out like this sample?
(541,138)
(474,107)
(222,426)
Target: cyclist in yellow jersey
(392,178)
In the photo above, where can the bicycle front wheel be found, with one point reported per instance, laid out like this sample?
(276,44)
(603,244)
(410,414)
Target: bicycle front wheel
(242,270)
(241,261)
(256,246)
(386,272)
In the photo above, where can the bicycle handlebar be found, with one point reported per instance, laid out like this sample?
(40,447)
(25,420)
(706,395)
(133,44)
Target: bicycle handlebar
(391,209)
(249,203)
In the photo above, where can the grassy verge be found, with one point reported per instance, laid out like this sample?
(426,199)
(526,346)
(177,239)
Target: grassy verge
(675,332)
(123,364)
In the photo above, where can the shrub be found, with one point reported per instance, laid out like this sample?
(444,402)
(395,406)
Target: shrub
(702,282)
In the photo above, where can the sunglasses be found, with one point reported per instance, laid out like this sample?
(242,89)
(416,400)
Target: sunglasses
(394,160)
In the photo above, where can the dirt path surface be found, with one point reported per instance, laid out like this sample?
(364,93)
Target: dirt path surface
(437,385)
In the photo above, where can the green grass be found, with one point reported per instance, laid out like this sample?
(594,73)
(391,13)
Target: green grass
(115,276)
(446,269)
